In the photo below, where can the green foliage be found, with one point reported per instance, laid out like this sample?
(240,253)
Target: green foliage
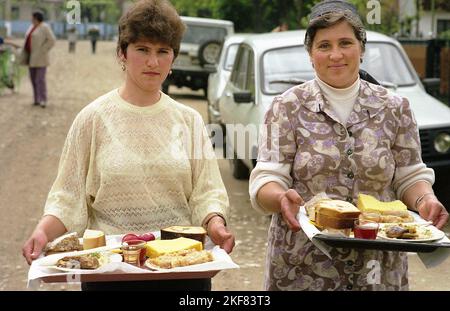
(445,35)
(389,16)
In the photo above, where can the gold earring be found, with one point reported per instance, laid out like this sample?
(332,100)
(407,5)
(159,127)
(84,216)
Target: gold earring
(123,66)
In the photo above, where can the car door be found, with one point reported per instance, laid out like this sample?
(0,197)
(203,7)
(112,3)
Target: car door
(236,113)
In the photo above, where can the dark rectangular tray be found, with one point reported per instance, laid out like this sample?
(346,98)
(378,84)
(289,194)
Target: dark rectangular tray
(401,246)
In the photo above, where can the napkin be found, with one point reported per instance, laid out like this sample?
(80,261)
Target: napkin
(40,267)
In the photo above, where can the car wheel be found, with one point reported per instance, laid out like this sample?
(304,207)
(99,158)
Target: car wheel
(209,52)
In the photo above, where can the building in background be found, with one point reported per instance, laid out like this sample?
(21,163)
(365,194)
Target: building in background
(424,18)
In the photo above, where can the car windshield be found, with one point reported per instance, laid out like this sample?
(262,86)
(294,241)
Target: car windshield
(386,64)
(230,57)
(198,34)
(285,67)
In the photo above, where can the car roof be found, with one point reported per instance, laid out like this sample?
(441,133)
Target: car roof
(237,37)
(208,21)
(267,41)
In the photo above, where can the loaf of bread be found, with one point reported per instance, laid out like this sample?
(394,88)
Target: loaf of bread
(93,239)
(190,232)
(336,214)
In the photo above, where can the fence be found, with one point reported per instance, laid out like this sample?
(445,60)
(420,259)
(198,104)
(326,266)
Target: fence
(431,59)
(107,31)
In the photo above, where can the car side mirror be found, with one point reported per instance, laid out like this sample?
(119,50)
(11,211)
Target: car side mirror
(245,97)
(432,85)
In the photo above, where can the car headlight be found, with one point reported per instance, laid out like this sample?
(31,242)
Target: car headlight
(442,142)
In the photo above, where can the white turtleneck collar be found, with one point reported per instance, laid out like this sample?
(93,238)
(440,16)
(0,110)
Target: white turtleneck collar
(332,92)
(340,100)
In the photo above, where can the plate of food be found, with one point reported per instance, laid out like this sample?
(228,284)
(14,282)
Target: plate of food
(86,262)
(411,232)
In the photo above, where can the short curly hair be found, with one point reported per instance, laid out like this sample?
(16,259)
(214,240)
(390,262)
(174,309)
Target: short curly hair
(330,19)
(152,20)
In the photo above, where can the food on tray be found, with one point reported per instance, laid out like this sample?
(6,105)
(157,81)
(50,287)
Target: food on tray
(335,214)
(147,237)
(65,243)
(160,247)
(384,212)
(406,231)
(173,232)
(181,258)
(93,239)
(89,261)
(310,206)
(136,237)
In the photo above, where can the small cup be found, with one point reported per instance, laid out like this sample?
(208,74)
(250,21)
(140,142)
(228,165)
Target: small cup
(134,252)
(365,229)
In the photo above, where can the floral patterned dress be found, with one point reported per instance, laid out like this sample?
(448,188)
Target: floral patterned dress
(341,160)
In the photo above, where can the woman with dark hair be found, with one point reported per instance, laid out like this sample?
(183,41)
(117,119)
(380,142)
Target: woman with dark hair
(39,40)
(340,135)
(135,160)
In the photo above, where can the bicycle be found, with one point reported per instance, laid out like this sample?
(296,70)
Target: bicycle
(10,69)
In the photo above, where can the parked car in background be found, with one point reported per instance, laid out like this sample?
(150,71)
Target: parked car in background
(199,52)
(268,64)
(218,79)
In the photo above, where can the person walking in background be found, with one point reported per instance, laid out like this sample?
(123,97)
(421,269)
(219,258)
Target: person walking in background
(39,40)
(282,27)
(72,37)
(94,34)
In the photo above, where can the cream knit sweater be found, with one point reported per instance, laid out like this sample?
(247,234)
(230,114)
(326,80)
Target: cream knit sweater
(126,168)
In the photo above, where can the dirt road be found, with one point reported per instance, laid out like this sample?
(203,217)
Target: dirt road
(31,140)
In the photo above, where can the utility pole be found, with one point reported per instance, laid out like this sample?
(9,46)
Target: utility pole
(7,16)
(417,18)
(433,18)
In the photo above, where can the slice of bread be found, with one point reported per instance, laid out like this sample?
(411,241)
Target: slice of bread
(336,214)
(93,239)
(65,243)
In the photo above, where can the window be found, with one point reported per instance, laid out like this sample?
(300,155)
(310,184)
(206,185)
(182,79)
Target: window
(239,75)
(231,56)
(385,63)
(198,34)
(442,25)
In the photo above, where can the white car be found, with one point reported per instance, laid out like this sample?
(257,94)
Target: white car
(268,64)
(218,79)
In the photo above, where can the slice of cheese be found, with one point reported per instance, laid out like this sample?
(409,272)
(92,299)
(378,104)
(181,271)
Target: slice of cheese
(160,247)
(367,203)
(93,239)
